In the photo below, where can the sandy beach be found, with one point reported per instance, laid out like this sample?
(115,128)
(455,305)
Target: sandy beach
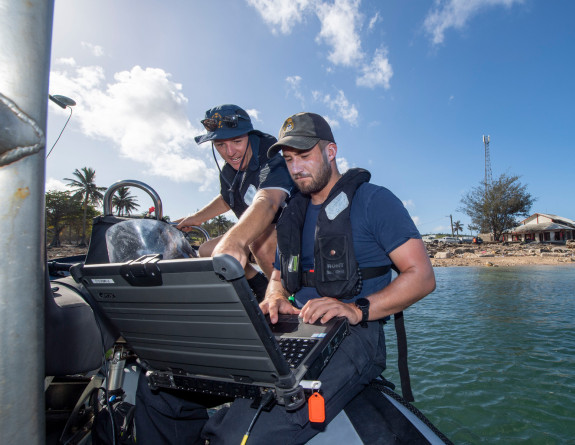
(487,254)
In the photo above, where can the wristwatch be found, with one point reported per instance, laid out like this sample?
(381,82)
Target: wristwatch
(363,305)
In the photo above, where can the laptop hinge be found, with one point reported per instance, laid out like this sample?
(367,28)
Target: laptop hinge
(143,271)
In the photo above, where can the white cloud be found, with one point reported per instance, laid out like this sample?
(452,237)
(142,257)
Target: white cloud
(455,14)
(374,20)
(284,14)
(254,114)
(342,107)
(96,50)
(56,185)
(294,86)
(333,123)
(409,204)
(338,103)
(339,23)
(342,164)
(143,112)
(66,61)
(378,73)
(416,220)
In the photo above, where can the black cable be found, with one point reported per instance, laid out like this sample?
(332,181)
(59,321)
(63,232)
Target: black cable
(63,128)
(267,398)
(105,388)
(231,185)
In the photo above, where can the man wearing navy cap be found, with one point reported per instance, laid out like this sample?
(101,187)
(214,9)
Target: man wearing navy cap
(253,186)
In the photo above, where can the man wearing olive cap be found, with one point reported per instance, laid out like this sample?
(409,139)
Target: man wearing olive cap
(337,240)
(253,186)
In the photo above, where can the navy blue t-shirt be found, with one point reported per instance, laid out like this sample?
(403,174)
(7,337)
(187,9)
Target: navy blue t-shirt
(380,224)
(262,173)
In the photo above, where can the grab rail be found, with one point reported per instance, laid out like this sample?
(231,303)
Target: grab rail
(132,183)
(198,228)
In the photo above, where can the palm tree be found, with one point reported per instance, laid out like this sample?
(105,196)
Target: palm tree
(457,226)
(124,202)
(86,190)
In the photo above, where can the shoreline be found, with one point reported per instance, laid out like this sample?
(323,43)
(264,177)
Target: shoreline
(455,255)
(501,254)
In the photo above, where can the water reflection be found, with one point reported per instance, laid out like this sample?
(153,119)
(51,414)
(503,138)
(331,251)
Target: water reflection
(491,354)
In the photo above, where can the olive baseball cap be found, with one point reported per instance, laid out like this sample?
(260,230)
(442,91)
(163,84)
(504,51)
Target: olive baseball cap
(302,131)
(225,122)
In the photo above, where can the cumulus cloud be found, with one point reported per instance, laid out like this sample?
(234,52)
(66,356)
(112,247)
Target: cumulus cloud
(333,123)
(340,24)
(142,111)
(294,87)
(66,61)
(416,220)
(254,114)
(377,73)
(374,20)
(342,107)
(56,185)
(455,14)
(409,204)
(281,15)
(96,50)
(342,164)
(338,103)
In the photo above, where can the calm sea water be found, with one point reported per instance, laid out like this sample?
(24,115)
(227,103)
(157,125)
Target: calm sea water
(492,354)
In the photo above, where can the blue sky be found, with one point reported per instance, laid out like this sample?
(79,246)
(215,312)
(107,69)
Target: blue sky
(410,88)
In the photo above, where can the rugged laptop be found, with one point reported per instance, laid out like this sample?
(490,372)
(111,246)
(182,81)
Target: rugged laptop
(197,325)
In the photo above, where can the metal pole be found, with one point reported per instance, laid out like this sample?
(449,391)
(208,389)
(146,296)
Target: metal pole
(25,33)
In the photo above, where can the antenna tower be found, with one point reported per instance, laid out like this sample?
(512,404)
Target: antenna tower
(488,178)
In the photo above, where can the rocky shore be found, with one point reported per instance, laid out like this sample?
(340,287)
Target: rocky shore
(500,254)
(448,255)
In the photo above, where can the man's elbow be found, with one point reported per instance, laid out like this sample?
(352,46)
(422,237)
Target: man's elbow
(429,283)
(270,203)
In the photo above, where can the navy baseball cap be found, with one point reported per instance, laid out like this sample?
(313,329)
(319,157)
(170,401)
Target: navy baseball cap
(302,131)
(225,122)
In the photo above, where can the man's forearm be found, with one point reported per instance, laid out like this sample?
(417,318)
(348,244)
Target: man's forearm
(215,208)
(405,290)
(416,280)
(256,219)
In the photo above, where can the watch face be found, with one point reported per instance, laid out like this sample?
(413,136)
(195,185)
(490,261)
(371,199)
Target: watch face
(362,302)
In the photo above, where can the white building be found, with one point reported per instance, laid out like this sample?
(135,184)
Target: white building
(542,227)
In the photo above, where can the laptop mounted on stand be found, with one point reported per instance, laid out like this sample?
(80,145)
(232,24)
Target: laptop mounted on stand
(197,326)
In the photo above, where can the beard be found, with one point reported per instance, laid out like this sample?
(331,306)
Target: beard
(319,179)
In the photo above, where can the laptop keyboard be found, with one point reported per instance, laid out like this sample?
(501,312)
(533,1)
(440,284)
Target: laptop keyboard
(296,349)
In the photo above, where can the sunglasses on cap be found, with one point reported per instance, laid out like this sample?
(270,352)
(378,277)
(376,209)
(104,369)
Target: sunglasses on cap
(212,124)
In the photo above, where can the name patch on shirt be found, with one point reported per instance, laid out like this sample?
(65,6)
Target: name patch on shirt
(336,206)
(250,194)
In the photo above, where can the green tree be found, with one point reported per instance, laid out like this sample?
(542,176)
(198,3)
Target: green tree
(57,209)
(457,226)
(85,189)
(495,208)
(217,226)
(124,201)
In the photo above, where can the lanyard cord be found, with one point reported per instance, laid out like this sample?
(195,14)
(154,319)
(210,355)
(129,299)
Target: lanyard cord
(231,185)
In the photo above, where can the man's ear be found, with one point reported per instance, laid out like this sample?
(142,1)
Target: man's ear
(331,151)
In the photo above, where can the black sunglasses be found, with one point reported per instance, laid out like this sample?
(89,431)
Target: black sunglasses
(212,124)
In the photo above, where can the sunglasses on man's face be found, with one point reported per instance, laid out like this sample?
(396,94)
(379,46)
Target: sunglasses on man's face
(212,124)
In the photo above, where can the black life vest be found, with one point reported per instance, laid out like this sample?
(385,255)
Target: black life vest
(336,272)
